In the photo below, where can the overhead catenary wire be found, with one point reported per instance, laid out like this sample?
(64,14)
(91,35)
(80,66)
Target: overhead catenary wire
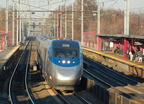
(41,5)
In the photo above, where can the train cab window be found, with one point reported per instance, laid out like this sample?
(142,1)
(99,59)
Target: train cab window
(72,54)
(66,53)
(60,53)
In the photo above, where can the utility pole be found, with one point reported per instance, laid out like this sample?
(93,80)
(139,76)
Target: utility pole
(54,24)
(82,22)
(61,22)
(13,25)
(126,18)
(73,20)
(20,21)
(65,20)
(98,18)
(99,41)
(59,30)
(17,28)
(126,27)
(6,27)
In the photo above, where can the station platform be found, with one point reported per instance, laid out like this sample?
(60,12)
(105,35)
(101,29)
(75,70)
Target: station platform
(116,62)
(6,54)
(116,57)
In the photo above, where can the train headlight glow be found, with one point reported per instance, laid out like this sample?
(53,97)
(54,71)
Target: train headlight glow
(68,62)
(58,61)
(63,61)
(50,77)
(73,62)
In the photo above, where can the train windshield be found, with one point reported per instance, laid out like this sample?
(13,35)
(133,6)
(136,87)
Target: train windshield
(66,53)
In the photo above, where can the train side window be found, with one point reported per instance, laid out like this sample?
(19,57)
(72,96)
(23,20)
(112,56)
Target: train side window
(50,52)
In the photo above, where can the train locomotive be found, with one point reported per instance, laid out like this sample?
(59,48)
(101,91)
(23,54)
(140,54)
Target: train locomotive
(60,61)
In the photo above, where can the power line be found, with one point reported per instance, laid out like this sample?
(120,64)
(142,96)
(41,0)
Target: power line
(116,2)
(113,4)
(136,8)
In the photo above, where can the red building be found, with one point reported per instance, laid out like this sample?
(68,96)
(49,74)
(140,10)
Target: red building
(3,39)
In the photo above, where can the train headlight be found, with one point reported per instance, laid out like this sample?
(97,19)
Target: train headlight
(73,62)
(58,61)
(68,62)
(63,61)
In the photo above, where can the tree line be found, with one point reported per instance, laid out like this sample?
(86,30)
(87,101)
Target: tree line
(112,21)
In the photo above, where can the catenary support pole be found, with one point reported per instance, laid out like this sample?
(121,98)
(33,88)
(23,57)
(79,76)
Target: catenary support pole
(98,18)
(73,20)
(126,18)
(82,22)
(65,20)
(6,27)
(17,29)
(13,26)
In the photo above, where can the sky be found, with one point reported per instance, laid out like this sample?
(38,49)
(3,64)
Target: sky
(135,5)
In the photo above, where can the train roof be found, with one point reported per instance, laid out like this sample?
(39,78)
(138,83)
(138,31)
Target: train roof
(71,41)
(65,43)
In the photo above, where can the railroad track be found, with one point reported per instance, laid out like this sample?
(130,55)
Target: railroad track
(18,90)
(37,90)
(44,93)
(71,97)
(5,76)
(113,80)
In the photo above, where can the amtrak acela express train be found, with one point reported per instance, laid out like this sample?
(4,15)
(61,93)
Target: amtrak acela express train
(61,62)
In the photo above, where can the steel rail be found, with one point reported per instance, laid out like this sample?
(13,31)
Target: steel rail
(26,77)
(105,83)
(14,72)
(81,99)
